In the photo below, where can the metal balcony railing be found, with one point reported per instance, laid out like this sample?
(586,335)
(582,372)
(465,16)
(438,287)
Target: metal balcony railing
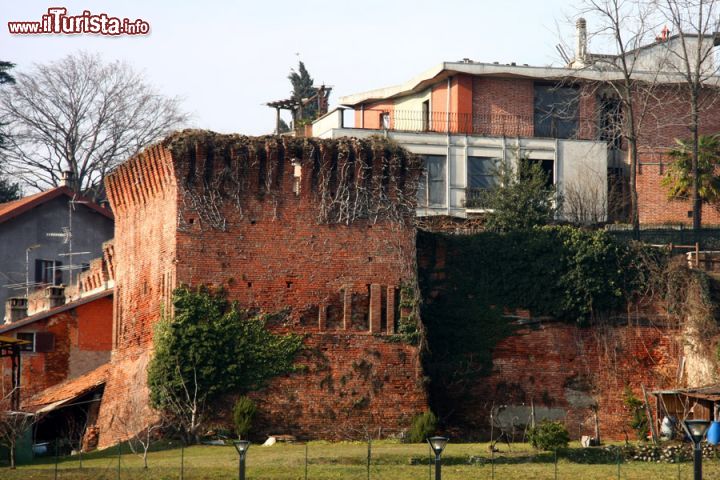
(544,126)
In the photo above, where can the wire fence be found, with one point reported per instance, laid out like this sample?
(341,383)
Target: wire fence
(707,238)
(366,461)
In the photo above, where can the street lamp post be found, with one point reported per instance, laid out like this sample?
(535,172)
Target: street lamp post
(242,447)
(438,445)
(696,430)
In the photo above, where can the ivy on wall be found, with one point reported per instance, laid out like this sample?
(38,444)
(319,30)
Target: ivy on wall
(467,282)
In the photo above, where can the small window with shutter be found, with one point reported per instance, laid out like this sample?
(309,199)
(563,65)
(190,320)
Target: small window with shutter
(40,342)
(44,342)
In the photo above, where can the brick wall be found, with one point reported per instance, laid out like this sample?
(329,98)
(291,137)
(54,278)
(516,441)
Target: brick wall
(566,369)
(657,135)
(181,220)
(503,106)
(561,369)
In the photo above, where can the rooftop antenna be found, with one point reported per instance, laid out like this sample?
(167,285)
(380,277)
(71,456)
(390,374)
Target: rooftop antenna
(562,53)
(67,237)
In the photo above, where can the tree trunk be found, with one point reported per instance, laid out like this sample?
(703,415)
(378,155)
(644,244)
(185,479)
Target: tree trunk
(12,456)
(696,200)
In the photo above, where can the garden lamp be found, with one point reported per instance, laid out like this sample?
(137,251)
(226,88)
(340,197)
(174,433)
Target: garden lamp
(242,446)
(696,430)
(438,445)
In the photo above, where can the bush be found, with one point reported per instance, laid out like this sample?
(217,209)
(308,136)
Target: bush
(638,419)
(422,426)
(243,414)
(549,436)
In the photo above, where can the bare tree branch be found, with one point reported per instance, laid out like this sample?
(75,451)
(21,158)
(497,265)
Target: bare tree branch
(83,115)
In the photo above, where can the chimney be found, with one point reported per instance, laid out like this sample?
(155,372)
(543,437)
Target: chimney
(67,178)
(581,42)
(55,296)
(15,309)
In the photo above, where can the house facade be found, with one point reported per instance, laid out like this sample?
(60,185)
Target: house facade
(465,118)
(35,239)
(68,330)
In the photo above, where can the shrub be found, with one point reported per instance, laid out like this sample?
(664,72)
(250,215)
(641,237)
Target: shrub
(243,414)
(422,426)
(549,436)
(636,408)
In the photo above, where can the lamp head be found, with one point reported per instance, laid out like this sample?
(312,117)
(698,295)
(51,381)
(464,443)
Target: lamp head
(437,444)
(697,429)
(241,446)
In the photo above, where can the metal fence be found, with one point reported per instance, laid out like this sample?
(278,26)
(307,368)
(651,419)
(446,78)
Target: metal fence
(497,124)
(356,460)
(708,238)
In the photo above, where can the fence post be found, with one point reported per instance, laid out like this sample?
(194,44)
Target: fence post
(182,460)
(492,461)
(369,454)
(306,460)
(617,457)
(56,459)
(119,457)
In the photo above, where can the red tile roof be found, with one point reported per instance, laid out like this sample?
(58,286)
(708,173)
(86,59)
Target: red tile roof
(54,311)
(68,390)
(13,209)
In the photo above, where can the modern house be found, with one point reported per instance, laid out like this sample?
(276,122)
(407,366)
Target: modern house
(465,117)
(47,239)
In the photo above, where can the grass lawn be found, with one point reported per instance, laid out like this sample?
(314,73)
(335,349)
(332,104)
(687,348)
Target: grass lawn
(344,461)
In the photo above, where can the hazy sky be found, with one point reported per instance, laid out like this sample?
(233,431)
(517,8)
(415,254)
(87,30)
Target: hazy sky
(227,58)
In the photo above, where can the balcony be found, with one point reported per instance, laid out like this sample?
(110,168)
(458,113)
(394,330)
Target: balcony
(496,125)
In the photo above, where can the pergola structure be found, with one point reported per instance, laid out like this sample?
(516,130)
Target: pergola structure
(296,106)
(11,347)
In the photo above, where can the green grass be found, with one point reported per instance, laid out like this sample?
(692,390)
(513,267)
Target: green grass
(345,461)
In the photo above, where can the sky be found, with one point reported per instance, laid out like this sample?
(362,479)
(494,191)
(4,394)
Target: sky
(225,59)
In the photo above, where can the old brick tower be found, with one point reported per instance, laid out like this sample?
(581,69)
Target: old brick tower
(322,228)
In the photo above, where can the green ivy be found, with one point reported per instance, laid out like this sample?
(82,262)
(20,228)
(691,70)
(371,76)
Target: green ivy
(213,345)
(564,272)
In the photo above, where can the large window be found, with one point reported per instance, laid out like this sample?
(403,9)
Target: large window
(482,172)
(556,111)
(482,176)
(432,190)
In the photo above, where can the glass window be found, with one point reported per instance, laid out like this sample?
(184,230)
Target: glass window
(27,336)
(556,111)
(482,172)
(48,272)
(431,192)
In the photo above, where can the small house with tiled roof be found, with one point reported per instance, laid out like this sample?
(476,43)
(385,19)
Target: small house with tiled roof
(37,234)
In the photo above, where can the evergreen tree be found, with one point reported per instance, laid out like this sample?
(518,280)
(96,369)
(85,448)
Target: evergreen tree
(5,76)
(9,191)
(522,199)
(302,84)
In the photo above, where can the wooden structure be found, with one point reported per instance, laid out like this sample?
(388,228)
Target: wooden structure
(701,403)
(295,106)
(11,347)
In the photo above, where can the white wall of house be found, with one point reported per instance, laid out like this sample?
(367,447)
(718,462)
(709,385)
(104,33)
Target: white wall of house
(580,166)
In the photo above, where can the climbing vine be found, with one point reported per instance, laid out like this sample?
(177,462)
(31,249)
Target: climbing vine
(350,179)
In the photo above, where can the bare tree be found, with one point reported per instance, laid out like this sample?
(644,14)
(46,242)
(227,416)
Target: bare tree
(81,115)
(183,404)
(139,433)
(627,25)
(13,425)
(690,53)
